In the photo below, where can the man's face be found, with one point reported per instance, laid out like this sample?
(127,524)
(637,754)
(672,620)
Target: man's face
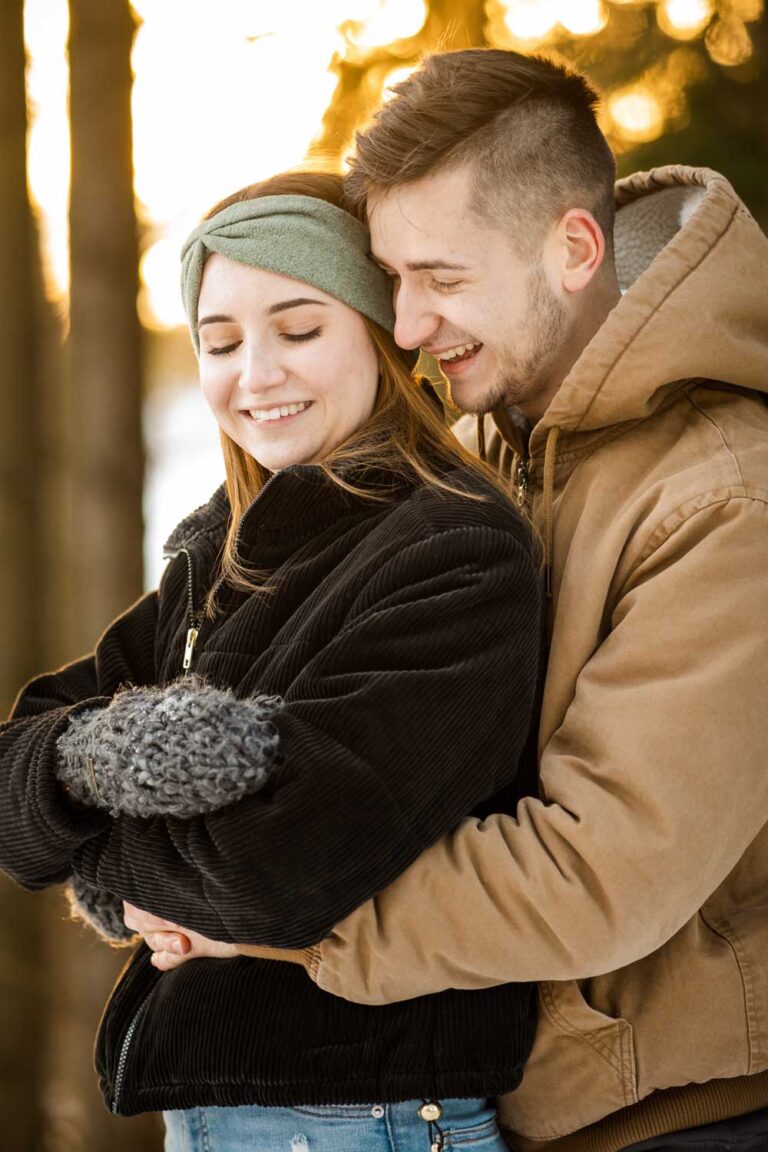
(463,294)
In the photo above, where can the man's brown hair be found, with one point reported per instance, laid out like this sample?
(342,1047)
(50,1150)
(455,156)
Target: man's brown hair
(524,126)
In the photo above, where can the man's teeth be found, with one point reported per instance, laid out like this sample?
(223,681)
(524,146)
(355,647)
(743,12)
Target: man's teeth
(453,353)
(260,415)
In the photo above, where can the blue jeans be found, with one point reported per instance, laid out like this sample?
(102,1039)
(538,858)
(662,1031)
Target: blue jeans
(467,1125)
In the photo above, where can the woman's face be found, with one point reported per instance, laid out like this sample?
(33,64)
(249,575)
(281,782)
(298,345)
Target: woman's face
(288,371)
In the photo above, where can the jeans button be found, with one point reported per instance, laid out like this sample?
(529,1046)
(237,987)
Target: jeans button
(377,1111)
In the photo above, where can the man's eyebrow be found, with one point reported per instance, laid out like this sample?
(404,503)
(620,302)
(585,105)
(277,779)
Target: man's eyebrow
(281,306)
(423,266)
(434,266)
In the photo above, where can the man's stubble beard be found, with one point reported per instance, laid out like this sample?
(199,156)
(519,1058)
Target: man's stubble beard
(521,378)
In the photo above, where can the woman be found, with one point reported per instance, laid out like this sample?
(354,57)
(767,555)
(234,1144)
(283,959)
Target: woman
(359,610)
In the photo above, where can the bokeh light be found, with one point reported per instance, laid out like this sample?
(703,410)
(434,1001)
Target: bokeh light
(685,19)
(227,94)
(637,114)
(583,17)
(392,20)
(728,42)
(531,19)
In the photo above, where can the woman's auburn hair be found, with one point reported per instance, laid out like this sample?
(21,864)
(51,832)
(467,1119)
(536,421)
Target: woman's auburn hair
(405,435)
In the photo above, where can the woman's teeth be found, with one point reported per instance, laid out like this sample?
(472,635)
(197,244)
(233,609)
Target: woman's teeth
(262,415)
(459,350)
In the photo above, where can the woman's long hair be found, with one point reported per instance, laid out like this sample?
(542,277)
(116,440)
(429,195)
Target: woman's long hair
(405,436)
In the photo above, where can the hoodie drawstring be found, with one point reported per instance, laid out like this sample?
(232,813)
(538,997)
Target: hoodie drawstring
(481,451)
(548,484)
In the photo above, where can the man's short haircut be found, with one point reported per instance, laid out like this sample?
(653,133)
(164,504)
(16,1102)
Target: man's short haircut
(524,126)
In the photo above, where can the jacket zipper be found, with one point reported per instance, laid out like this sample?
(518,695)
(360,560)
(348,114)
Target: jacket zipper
(120,1074)
(194,617)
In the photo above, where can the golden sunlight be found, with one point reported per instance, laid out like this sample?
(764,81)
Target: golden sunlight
(396,76)
(684,19)
(583,17)
(747,10)
(391,20)
(636,114)
(728,42)
(531,19)
(46,28)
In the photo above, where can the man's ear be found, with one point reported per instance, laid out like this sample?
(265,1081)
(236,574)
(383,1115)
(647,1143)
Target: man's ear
(581,245)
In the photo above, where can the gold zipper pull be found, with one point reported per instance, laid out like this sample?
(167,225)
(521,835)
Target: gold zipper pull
(192,635)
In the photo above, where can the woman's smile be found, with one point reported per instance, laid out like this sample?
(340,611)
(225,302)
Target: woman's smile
(278,413)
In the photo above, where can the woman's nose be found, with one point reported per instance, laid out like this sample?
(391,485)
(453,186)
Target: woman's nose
(260,370)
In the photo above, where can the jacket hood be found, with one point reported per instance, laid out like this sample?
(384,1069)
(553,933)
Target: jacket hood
(693,267)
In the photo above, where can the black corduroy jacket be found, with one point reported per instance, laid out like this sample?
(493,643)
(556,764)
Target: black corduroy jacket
(403,638)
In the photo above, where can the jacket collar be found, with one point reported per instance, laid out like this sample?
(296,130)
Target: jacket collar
(293,504)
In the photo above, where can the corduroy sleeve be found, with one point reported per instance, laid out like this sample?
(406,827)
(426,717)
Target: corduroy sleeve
(39,829)
(390,735)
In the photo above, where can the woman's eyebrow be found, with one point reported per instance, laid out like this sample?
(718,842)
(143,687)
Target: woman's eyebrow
(284,305)
(214,320)
(281,306)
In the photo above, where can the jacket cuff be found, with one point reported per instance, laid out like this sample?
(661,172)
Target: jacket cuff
(308,958)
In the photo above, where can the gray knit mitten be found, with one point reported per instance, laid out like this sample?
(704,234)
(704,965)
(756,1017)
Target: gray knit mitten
(101,909)
(181,750)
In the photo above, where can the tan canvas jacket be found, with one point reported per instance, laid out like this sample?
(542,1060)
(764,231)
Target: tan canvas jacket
(635,888)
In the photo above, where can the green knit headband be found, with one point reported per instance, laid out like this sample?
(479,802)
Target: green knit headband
(298,236)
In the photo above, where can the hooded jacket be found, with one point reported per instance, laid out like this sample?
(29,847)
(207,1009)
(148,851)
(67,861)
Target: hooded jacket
(377,634)
(635,887)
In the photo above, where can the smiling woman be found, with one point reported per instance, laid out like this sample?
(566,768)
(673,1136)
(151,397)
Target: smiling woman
(349,604)
(288,378)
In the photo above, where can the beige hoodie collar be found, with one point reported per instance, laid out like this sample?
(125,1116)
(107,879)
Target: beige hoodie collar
(694,264)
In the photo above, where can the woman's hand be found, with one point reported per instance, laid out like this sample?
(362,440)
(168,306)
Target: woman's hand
(171,944)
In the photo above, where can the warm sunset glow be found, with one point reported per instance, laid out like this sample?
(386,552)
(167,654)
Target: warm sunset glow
(684,19)
(747,10)
(391,20)
(160,303)
(396,76)
(228,93)
(531,19)
(729,43)
(636,114)
(583,17)
(46,27)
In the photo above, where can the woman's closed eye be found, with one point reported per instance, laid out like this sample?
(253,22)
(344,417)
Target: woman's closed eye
(223,349)
(298,337)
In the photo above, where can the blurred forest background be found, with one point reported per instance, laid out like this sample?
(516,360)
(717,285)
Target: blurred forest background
(119,124)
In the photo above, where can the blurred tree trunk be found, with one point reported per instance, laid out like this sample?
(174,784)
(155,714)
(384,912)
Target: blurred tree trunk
(21,1002)
(99,545)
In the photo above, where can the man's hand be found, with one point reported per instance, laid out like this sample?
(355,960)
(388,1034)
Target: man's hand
(171,944)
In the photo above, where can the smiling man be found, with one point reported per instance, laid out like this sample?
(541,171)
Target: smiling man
(615,353)
(634,426)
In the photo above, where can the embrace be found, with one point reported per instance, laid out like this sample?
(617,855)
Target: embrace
(430,785)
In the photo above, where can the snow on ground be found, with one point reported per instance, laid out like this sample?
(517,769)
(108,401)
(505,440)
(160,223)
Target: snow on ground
(184,467)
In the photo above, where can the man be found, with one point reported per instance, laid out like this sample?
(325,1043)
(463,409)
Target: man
(633,427)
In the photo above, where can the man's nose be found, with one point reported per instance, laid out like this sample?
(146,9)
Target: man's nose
(414,323)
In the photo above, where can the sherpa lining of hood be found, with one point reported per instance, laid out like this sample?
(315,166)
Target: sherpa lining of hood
(694,264)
